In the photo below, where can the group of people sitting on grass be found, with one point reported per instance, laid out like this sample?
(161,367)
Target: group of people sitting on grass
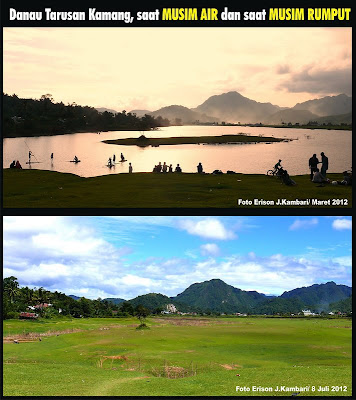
(16,164)
(165,168)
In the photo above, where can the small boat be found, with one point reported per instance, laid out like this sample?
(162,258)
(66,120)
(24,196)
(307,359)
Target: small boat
(74,161)
(33,162)
(119,162)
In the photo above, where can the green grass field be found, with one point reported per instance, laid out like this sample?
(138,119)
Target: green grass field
(176,356)
(36,188)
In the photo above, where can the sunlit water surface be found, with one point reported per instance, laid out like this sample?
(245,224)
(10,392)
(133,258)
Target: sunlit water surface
(245,158)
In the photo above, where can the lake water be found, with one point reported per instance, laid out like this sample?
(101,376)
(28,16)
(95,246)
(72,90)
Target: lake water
(245,158)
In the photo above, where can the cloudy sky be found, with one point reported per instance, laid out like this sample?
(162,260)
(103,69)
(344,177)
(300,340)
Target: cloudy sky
(148,68)
(129,256)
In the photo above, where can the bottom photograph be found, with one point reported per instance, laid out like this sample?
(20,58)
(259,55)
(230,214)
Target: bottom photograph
(177,306)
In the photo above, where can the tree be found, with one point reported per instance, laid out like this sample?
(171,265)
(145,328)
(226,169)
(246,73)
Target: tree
(11,287)
(141,313)
(127,308)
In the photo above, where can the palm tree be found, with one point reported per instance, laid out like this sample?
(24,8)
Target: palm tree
(11,287)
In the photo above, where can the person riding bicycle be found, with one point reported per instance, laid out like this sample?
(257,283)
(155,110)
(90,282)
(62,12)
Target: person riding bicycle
(277,166)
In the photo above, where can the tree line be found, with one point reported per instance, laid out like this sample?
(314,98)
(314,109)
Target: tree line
(30,117)
(17,300)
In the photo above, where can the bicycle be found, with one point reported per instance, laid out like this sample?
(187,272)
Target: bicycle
(273,172)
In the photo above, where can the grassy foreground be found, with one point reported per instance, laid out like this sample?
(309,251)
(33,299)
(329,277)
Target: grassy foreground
(143,141)
(177,357)
(36,188)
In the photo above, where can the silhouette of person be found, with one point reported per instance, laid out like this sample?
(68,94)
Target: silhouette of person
(122,157)
(130,168)
(313,165)
(114,158)
(170,169)
(178,168)
(164,167)
(51,156)
(200,168)
(324,164)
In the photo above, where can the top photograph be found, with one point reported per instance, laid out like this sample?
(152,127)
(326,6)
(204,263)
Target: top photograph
(226,118)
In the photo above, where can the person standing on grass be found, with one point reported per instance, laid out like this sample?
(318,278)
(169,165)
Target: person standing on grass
(130,168)
(324,164)
(313,165)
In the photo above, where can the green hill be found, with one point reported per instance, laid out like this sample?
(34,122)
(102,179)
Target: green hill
(342,305)
(114,300)
(152,301)
(216,295)
(278,305)
(319,296)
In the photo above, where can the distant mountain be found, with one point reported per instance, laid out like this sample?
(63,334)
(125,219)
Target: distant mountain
(329,105)
(140,113)
(292,116)
(216,295)
(335,119)
(103,109)
(319,296)
(184,114)
(114,300)
(233,107)
(74,297)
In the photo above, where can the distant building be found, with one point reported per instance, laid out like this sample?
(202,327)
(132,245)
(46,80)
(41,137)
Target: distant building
(43,305)
(28,315)
(171,308)
(307,312)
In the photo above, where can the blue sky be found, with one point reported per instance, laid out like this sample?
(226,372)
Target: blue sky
(129,256)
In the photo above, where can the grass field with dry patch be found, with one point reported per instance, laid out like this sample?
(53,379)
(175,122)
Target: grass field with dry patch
(190,356)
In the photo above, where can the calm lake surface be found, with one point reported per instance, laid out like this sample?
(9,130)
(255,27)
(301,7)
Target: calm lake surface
(245,158)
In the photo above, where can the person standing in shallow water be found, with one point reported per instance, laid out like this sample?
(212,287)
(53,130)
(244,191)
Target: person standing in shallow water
(324,164)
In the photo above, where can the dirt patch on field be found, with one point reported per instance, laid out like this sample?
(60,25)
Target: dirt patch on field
(194,321)
(140,377)
(173,372)
(230,366)
(34,336)
(112,358)
(116,357)
(183,321)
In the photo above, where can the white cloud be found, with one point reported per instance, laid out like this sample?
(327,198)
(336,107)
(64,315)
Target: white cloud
(341,224)
(344,260)
(208,228)
(303,224)
(210,249)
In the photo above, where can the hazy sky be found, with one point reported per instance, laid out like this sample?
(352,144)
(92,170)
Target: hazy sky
(148,68)
(129,256)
